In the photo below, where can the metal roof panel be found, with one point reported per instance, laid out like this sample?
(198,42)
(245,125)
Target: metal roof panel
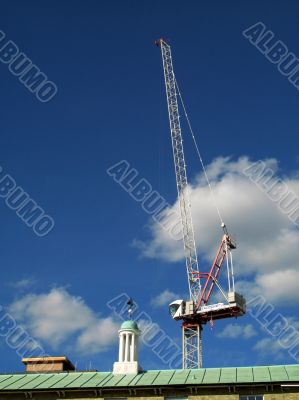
(244,375)
(261,374)
(11,383)
(278,373)
(96,380)
(146,379)
(4,378)
(179,377)
(38,379)
(82,378)
(212,375)
(68,379)
(54,379)
(163,378)
(196,376)
(293,372)
(127,379)
(28,379)
(228,375)
(115,379)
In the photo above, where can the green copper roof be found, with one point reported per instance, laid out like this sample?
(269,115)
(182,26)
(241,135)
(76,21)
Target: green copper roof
(87,380)
(129,325)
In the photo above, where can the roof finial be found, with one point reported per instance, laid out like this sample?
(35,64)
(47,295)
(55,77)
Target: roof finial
(130,305)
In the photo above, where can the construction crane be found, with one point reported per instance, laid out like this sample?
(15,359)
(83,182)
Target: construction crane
(198,310)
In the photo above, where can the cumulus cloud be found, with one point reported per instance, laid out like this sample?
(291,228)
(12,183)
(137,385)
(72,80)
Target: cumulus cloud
(58,317)
(281,286)
(232,331)
(278,287)
(98,336)
(164,298)
(267,240)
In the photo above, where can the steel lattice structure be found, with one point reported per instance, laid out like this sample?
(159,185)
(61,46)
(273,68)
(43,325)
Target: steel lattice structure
(180,172)
(192,356)
(192,345)
(196,311)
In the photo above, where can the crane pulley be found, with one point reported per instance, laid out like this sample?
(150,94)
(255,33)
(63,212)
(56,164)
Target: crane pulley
(196,311)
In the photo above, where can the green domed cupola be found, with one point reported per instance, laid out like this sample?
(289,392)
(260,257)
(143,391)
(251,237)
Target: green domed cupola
(129,325)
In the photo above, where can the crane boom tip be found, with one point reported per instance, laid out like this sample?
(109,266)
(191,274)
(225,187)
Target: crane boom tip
(159,41)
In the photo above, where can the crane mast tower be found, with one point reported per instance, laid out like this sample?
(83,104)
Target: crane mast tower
(196,311)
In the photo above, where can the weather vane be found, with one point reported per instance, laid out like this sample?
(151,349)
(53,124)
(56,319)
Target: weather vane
(130,305)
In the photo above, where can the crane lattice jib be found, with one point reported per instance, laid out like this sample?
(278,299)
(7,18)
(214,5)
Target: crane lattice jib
(180,173)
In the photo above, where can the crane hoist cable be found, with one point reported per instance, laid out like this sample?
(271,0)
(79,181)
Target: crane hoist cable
(199,154)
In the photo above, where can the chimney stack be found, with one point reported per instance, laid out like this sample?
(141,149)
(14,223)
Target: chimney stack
(48,364)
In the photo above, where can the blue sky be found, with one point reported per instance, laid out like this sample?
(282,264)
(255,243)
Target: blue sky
(111,106)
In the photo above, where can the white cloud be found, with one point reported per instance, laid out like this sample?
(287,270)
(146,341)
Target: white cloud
(164,298)
(99,335)
(279,287)
(269,347)
(232,331)
(57,317)
(22,284)
(267,240)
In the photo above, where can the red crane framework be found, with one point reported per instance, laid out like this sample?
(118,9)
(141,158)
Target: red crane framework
(199,309)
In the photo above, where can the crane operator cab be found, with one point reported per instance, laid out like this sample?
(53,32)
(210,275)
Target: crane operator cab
(176,309)
(181,309)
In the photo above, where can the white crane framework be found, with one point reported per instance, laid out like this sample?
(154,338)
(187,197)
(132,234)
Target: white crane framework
(195,312)
(180,172)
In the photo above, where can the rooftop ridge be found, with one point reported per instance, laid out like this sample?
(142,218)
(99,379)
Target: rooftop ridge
(152,378)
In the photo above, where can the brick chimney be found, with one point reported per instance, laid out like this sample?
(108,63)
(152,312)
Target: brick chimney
(48,364)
